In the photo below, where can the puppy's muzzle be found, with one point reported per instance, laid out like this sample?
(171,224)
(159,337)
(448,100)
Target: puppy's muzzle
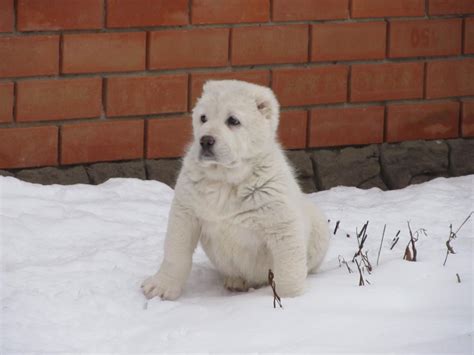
(207,143)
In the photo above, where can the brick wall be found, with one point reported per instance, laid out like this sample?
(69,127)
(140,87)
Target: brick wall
(99,80)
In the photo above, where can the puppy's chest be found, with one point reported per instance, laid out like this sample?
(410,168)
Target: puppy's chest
(216,201)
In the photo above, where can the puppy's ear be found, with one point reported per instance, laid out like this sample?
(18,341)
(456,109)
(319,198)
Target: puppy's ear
(265,108)
(267,104)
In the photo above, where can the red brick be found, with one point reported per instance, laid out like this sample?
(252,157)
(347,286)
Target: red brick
(387,8)
(104,52)
(260,77)
(335,41)
(45,100)
(292,129)
(449,7)
(102,141)
(145,95)
(416,38)
(346,126)
(390,81)
(469,35)
(201,47)
(6,102)
(7,16)
(230,11)
(168,137)
(422,121)
(467,123)
(142,13)
(27,56)
(269,44)
(450,78)
(40,15)
(299,10)
(28,147)
(310,86)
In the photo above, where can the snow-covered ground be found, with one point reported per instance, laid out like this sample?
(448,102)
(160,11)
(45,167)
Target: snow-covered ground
(73,258)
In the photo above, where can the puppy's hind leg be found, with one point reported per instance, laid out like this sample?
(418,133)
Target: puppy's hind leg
(288,251)
(318,241)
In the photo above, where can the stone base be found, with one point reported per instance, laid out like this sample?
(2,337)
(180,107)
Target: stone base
(461,156)
(402,163)
(164,170)
(385,166)
(101,172)
(61,176)
(357,167)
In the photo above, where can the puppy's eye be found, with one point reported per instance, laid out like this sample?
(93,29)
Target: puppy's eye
(203,118)
(232,121)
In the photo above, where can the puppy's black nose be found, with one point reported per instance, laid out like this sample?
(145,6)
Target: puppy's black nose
(207,142)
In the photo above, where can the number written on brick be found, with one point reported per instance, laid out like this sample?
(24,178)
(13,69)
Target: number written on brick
(423,37)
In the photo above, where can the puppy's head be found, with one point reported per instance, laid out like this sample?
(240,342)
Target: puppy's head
(233,121)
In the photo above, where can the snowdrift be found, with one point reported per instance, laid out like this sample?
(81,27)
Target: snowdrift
(73,258)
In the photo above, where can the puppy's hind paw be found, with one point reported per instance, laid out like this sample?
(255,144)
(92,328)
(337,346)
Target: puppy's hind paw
(291,290)
(157,285)
(236,284)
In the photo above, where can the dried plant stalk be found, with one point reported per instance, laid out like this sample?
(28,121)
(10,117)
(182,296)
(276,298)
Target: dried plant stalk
(361,278)
(336,228)
(342,261)
(361,238)
(381,242)
(410,250)
(449,248)
(395,240)
(271,281)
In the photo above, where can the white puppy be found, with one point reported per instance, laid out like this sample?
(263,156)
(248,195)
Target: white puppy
(237,194)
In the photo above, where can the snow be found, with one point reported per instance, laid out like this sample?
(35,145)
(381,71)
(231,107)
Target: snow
(73,258)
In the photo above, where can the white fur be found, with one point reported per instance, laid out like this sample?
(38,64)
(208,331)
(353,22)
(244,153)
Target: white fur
(244,205)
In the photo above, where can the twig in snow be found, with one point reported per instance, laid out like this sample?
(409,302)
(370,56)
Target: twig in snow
(361,257)
(459,279)
(449,248)
(380,248)
(467,218)
(337,226)
(276,298)
(365,260)
(343,261)
(452,236)
(410,255)
(361,278)
(395,240)
(410,250)
(361,238)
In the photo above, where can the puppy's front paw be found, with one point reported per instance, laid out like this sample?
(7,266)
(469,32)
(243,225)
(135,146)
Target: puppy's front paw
(161,286)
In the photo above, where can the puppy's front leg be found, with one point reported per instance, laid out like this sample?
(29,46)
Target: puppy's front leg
(289,263)
(181,240)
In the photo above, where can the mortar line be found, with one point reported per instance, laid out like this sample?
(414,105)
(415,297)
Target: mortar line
(308,127)
(237,68)
(15,103)
(104,15)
